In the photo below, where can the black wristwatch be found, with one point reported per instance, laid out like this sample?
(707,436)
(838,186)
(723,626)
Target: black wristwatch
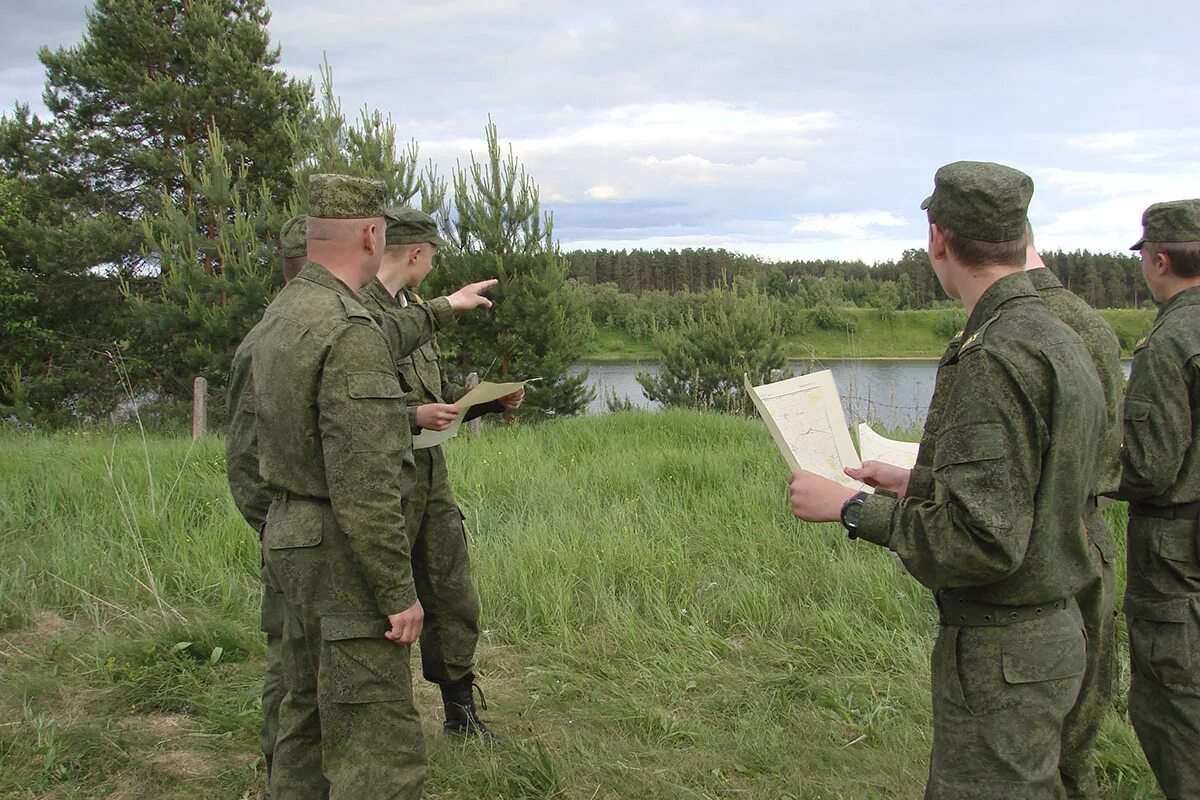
(852,511)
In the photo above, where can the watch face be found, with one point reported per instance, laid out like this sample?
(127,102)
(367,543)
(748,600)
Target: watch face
(851,513)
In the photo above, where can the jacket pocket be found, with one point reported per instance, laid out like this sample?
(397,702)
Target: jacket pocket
(968,444)
(373,385)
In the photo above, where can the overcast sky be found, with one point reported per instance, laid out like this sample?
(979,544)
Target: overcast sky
(804,129)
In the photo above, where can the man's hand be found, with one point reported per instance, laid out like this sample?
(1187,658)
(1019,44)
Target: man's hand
(881,475)
(406,626)
(817,499)
(436,416)
(471,296)
(512,402)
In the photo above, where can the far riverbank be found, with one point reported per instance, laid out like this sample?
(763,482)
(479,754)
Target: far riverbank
(907,335)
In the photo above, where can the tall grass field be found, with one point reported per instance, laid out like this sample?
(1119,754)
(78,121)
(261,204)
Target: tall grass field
(658,625)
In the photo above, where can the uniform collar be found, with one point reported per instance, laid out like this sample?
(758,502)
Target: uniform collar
(1043,278)
(312,271)
(1006,289)
(380,294)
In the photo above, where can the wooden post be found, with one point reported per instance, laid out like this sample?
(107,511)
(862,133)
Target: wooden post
(199,407)
(776,376)
(473,427)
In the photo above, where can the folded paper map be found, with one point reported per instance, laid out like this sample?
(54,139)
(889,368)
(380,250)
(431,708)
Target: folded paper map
(485,392)
(805,418)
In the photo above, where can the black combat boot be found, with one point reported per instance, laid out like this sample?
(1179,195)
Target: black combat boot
(461,717)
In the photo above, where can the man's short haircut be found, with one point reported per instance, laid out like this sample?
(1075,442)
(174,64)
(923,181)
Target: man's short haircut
(974,253)
(292,267)
(1185,256)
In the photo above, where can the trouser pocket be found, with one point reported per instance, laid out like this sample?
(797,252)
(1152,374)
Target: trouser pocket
(358,665)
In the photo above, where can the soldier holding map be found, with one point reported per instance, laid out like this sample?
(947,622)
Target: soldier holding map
(993,519)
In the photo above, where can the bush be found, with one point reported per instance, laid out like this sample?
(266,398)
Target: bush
(830,319)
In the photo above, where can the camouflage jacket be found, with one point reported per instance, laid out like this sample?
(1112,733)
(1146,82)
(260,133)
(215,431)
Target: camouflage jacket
(997,514)
(1160,460)
(251,494)
(332,436)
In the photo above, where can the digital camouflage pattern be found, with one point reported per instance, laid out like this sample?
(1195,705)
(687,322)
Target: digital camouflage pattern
(980,200)
(441,563)
(1097,600)
(1160,471)
(344,197)
(293,237)
(407,225)
(333,441)
(993,514)
(1170,222)
(252,497)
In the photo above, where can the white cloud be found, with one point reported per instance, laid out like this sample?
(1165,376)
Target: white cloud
(847,224)
(602,193)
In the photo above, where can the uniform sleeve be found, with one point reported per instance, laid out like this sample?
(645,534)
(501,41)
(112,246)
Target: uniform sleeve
(413,325)
(362,421)
(974,527)
(1158,426)
(251,494)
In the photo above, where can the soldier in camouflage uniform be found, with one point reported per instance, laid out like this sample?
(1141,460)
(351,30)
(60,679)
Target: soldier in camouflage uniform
(1160,476)
(991,518)
(441,564)
(252,496)
(1097,598)
(332,434)
(405,331)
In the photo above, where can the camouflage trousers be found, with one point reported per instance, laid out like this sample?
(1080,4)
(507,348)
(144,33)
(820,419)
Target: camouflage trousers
(1000,695)
(1162,607)
(348,728)
(1097,605)
(274,686)
(442,572)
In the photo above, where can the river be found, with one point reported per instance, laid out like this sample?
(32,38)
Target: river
(892,392)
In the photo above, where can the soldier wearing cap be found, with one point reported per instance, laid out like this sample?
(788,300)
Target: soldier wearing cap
(332,434)
(1160,477)
(293,246)
(991,519)
(441,563)
(1097,598)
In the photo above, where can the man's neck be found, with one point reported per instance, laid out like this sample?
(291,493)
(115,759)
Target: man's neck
(1177,285)
(336,264)
(973,283)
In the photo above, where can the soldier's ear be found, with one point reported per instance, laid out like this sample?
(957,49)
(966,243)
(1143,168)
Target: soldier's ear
(937,243)
(370,238)
(1161,263)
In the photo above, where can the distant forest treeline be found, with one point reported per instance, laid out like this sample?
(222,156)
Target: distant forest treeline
(1104,280)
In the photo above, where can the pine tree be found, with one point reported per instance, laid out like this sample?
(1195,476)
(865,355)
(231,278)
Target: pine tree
(540,324)
(221,266)
(702,362)
(128,104)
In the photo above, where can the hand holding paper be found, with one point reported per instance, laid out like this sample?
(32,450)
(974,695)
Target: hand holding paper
(485,392)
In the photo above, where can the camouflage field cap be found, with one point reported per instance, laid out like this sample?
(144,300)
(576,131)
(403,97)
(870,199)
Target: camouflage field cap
(344,197)
(980,200)
(1176,221)
(407,225)
(292,238)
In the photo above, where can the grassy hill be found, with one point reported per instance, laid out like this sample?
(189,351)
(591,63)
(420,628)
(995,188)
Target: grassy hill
(657,625)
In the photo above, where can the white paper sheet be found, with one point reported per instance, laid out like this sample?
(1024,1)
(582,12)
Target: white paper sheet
(874,447)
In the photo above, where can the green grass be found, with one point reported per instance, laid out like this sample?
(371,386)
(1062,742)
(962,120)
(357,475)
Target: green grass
(657,625)
(908,334)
